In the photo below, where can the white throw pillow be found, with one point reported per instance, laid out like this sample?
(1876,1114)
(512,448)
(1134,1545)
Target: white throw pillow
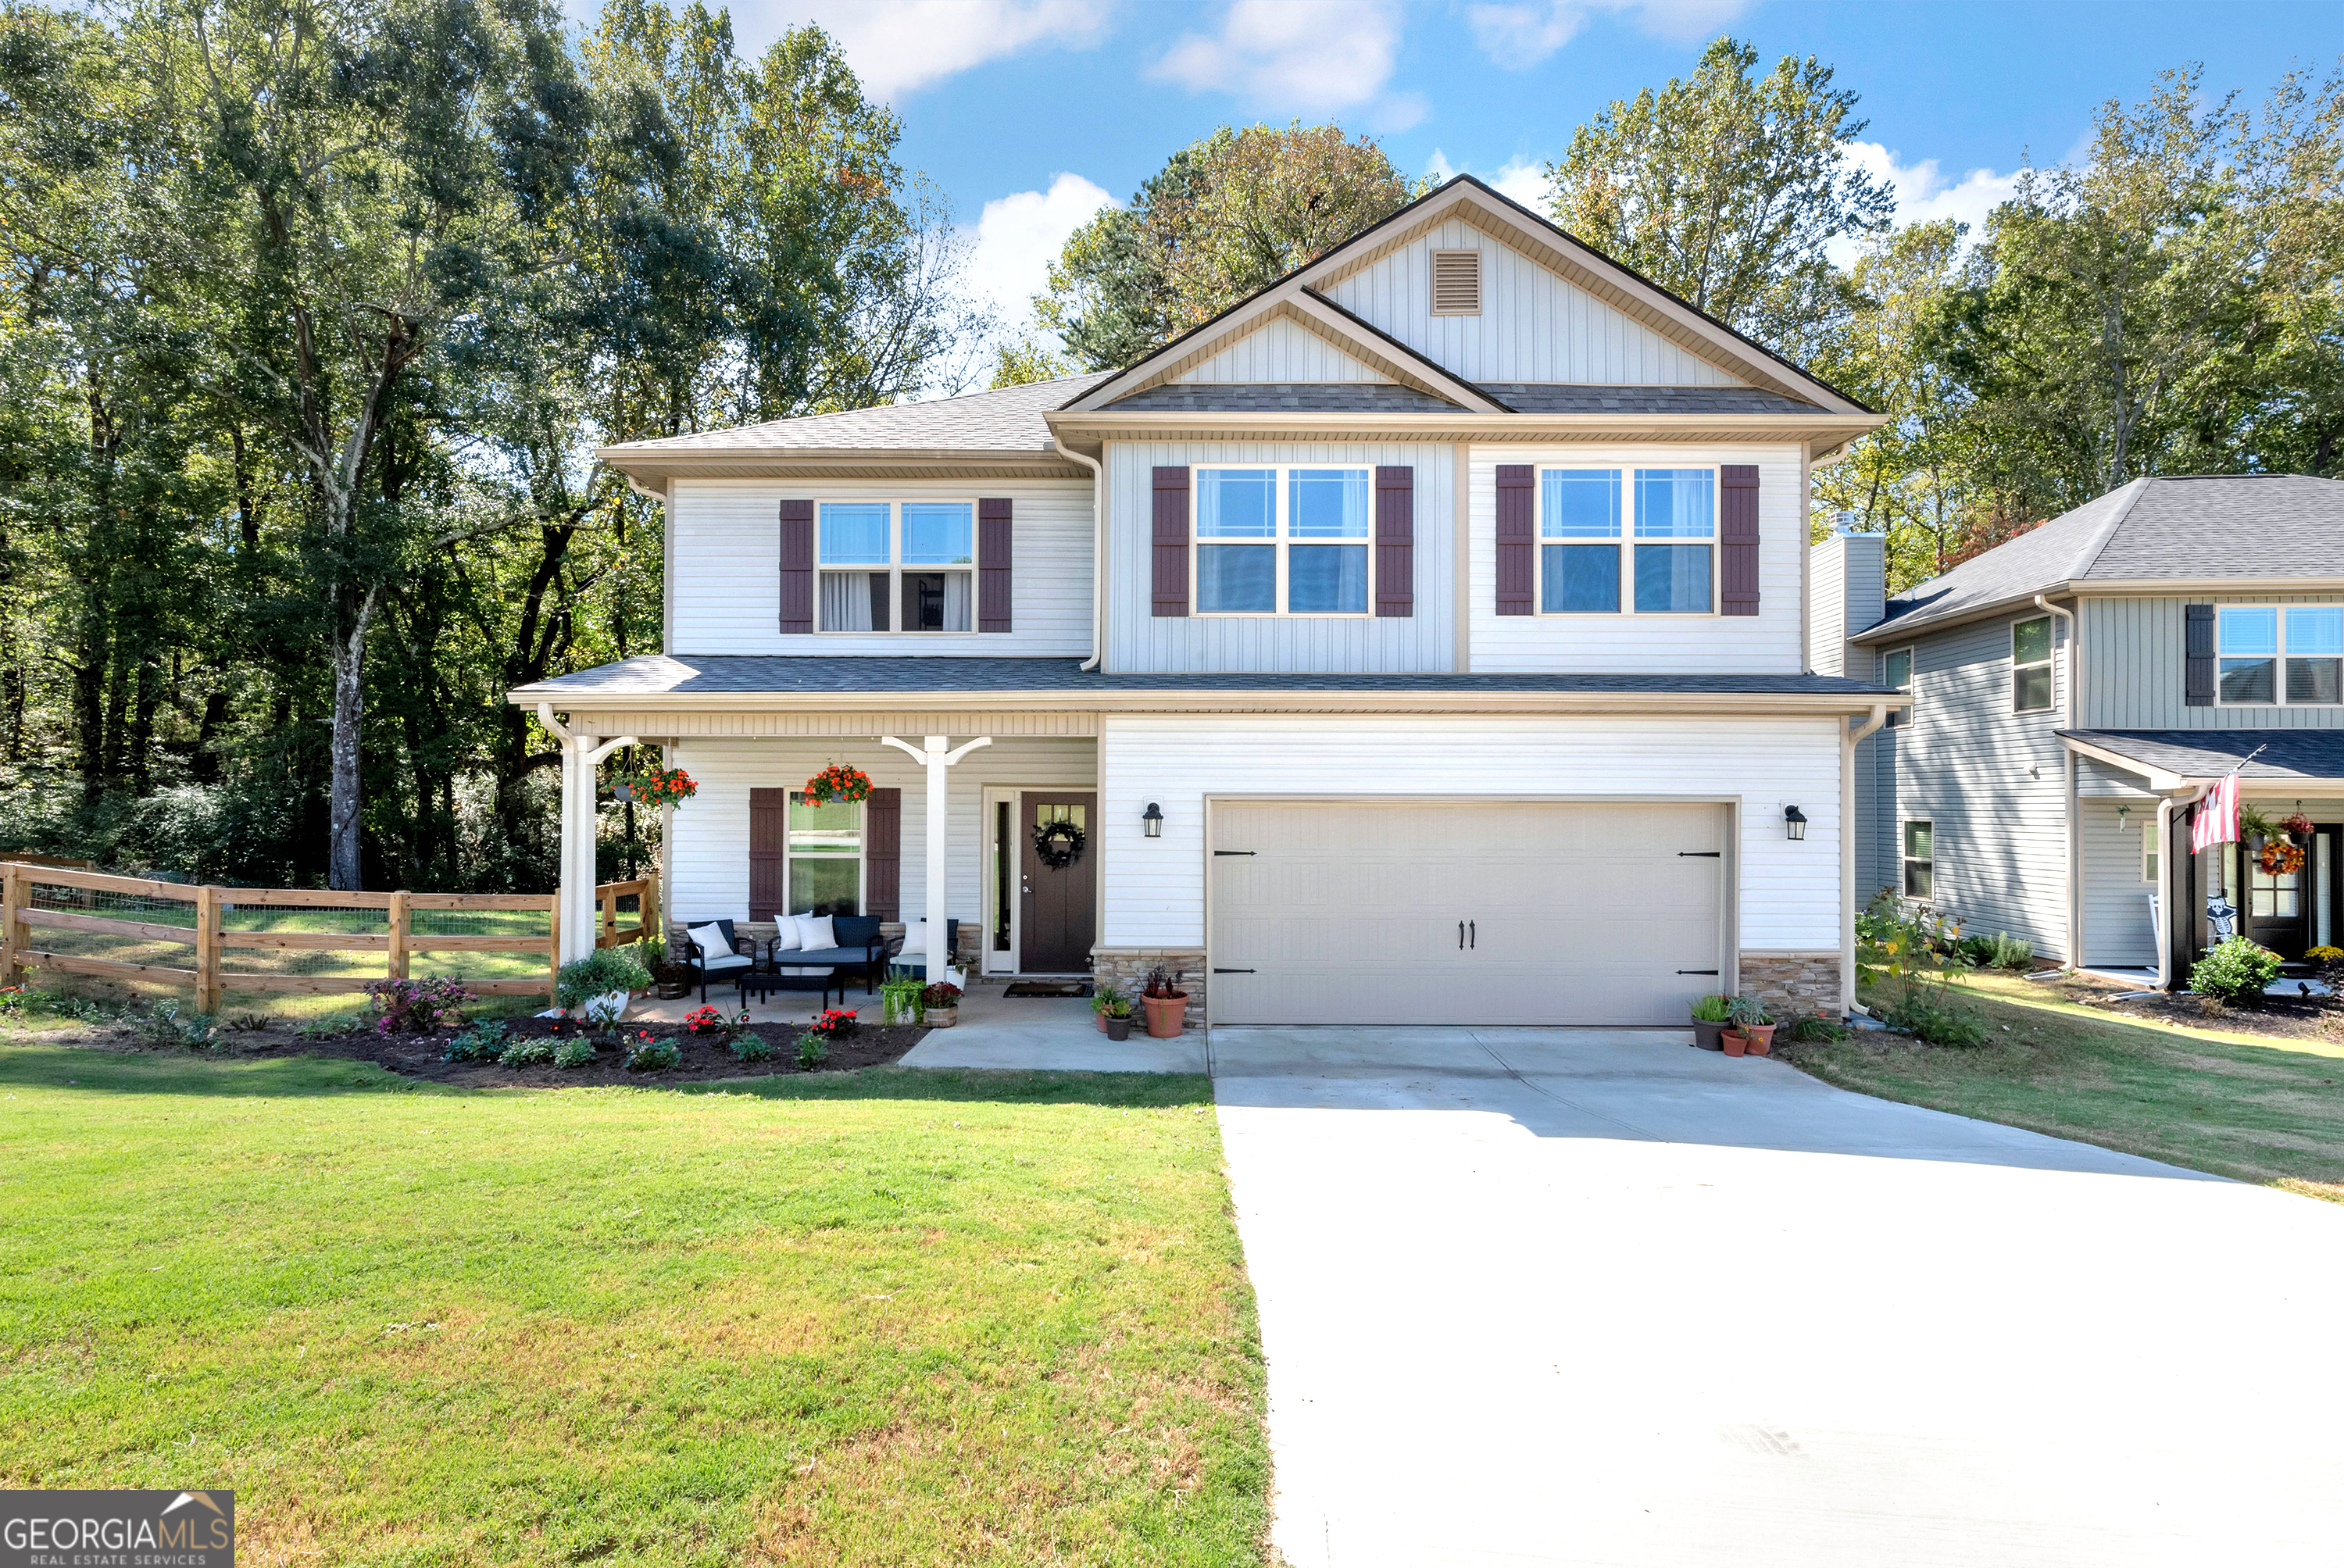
(711,938)
(814,932)
(785,934)
(915,939)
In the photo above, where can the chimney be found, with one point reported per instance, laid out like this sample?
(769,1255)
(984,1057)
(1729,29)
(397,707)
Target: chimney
(1849,575)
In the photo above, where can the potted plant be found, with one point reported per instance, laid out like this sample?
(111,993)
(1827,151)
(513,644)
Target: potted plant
(1167,1003)
(941,1005)
(1709,1018)
(899,997)
(1753,1033)
(839,784)
(1105,1000)
(1117,1019)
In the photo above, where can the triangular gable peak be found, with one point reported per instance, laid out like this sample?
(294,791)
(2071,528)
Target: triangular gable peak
(1283,349)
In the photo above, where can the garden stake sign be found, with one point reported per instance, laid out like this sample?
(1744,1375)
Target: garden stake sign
(839,783)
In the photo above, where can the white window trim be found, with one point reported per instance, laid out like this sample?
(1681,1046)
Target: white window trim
(1279,543)
(1904,825)
(2050,661)
(2279,660)
(896,566)
(1897,716)
(2148,850)
(862,846)
(1625,541)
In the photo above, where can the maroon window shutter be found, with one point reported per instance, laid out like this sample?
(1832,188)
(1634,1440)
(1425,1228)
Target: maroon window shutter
(1171,551)
(1737,537)
(882,853)
(993,564)
(1517,539)
(797,567)
(769,870)
(1395,542)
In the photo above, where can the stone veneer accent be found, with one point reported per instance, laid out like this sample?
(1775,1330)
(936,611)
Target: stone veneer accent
(1793,983)
(1126,968)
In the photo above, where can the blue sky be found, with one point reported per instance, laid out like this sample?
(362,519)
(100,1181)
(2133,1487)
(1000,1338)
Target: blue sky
(1032,113)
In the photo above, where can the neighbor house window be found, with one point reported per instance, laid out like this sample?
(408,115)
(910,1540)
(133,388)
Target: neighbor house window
(905,566)
(1278,539)
(825,855)
(1920,860)
(1896,670)
(2030,665)
(2275,655)
(1637,540)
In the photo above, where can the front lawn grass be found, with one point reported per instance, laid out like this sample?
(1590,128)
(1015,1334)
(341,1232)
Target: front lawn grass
(888,1317)
(2262,1110)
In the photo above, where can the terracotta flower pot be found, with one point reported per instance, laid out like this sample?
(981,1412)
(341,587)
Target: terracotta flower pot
(1735,1042)
(1116,1029)
(1762,1038)
(1705,1034)
(1165,1016)
(1100,1019)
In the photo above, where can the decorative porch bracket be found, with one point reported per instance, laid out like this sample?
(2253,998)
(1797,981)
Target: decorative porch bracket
(935,759)
(574,909)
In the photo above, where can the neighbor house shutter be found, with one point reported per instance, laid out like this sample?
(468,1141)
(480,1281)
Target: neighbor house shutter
(1395,542)
(992,565)
(1170,570)
(1517,539)
(883,853)
(1737,538)
(797,566)
(769,871)
(2198,649)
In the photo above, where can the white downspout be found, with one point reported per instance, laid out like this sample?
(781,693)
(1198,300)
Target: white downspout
(2166,806)
(1849,741)
(2068,709)
(1099,549)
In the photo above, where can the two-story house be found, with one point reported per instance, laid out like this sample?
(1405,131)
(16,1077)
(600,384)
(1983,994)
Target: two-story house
(2075,692)
(1419,640)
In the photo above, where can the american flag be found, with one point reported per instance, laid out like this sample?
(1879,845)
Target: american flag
(2217,816)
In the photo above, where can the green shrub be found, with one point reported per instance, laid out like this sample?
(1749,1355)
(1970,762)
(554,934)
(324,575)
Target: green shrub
(483,1042)
(1932,1013)
(750,1046)
(534,1053)
(600,972)
(1814,1028)
(1713,1010)
(812,1052)
(645,1055)
(2237,971)
(332,1026)
(1999,951)
(574,1054)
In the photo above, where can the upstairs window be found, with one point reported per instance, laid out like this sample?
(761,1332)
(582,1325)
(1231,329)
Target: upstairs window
(1280,539)
(1588,563)
(903,566)
(2030,665)
(2274,655)
(1896,670)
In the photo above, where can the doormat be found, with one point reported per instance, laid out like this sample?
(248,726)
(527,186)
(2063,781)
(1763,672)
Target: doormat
(1050,988)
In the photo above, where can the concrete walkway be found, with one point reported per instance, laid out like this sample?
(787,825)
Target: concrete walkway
(1588,1297)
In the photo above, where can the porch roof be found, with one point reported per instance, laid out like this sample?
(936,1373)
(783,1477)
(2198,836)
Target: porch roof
(2302,757)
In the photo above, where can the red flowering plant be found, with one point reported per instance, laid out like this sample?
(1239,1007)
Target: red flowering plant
(657,786)
(705,1022)
(839,783)
(834,1021)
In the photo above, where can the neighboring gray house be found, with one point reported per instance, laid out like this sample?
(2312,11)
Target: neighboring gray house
(2076,690)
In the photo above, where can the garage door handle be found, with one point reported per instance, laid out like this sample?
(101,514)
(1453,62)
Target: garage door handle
(1220,971)
(1233,851)
(1460,936)
(1474,932)
(1696,971)
(1699,853)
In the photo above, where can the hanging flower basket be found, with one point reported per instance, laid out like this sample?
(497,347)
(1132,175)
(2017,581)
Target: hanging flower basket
(2297,828)
(839,784)
(656,787)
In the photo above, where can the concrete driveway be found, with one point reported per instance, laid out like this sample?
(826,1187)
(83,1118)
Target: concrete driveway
(1591,1296)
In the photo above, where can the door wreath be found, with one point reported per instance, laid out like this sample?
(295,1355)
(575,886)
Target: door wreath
(1057,844)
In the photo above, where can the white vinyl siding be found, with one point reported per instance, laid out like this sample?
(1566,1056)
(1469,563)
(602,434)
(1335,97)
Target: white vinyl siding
(2134,677)
(1533,325)
(724,569)
(1155,891)
(1281,351)
(2117,929)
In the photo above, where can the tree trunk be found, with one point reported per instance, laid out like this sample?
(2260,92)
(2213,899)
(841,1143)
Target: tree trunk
(343,873)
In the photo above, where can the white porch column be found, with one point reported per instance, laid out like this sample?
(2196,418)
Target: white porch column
(579,753)
(936,759)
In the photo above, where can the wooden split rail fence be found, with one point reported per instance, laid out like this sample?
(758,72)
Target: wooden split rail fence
(56,906)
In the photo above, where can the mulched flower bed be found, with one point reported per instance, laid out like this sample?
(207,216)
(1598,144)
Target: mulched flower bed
(704,1061)
(2278,1017)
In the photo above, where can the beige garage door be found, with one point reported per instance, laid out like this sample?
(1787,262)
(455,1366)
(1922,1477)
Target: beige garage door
(1432,912)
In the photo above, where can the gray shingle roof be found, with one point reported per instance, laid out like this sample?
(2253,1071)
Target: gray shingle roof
(2210,753)
(1007,420)
(662,675)
(1566,398)
(2184,529)
(1316,397)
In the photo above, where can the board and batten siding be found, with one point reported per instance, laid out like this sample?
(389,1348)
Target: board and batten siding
(1138,639)
(1533,325)
(724,569)
(1154,887)
(1770,643)
(708,857)
(2133,671)
(1279,352)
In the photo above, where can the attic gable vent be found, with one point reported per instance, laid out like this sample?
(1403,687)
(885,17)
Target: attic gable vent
(1456,283)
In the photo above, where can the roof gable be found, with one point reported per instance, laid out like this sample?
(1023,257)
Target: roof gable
(1280,349)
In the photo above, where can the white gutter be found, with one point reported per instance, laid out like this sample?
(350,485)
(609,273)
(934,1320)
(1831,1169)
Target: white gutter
(1098,548)
(1849,741)
(2075,920)
(2075,661)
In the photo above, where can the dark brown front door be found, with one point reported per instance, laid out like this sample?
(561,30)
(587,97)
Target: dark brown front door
(2277,905)
(1058,909)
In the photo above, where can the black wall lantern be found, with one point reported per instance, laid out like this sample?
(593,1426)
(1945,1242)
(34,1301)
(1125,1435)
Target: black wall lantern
(1152,819)
(1794,822)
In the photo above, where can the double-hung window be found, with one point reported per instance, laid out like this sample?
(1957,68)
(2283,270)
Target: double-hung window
(1920,858)
(1639,540)
(901,566)
(2278,655)
(825,854)
(2030,665)
(1282,540)
(1896,670)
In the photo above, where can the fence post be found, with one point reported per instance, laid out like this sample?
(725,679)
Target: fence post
(398,934)
(207,932)
(653,929)
(607,900)
(553,956)
(12,893)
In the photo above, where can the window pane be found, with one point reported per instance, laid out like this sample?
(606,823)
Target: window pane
(939,534)
(1899,669)
(2315,680)
(1327,580)
(854,602)
(1919,840)
(1917,878)
(1671,579)
(1676,504)
(2030,688)
(854,533)
(935,600)
(2249,631)
(2249,680)
(1236,503)
(1327,504)
(833,827)
(2030,640)
(1578,504)
(1579,579)
(821,886)
(1237,579)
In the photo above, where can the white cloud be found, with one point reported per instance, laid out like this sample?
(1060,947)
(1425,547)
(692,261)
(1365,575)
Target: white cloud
(1525,178)
(1304,56)
(1924,194)
(1520,34)
(1017,238)
(899,46)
